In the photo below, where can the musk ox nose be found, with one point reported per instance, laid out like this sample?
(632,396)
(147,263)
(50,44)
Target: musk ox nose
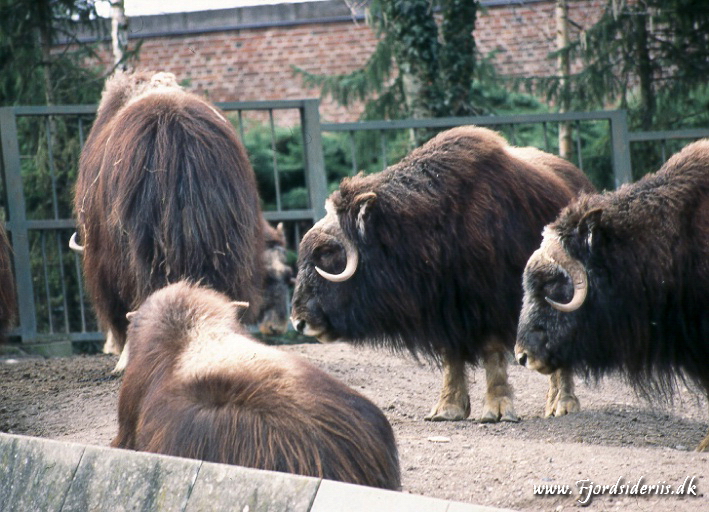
(522,358)
(298,324)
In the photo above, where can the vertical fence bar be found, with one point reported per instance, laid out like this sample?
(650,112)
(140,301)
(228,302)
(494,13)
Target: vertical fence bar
(62,272)
(383,139)
(314,159)
(353,152)
(45,274)
(17,224)
(50,162)
(276,177)
(622,167)
(579,157)
(80,283)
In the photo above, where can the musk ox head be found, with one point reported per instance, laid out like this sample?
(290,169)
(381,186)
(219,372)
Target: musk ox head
(327,260)
(555,286)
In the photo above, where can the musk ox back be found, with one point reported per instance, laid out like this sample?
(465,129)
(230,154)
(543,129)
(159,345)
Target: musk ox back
(427,256)
(621,282)
(196,386)
(165,191)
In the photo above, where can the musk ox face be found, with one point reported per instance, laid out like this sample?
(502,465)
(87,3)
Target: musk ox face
(555,290)
(326,261)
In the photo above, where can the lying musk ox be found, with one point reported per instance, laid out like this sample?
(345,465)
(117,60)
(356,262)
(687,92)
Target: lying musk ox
(621,282)
(165,191)
(427,256)
(196,386)
(8,295)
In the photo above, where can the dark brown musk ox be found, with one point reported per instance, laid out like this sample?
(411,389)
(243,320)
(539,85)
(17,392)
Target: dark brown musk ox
(165,191)
(8,292)
(621,283)
(272,318)
(197,386)
(427,257)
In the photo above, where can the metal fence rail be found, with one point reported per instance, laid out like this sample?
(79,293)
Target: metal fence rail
(41,145)
(39,172)
(615,129)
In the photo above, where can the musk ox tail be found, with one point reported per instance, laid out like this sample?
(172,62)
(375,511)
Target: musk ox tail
(179,197)
(249,422)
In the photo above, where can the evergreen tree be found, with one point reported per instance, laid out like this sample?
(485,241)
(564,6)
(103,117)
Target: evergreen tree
(32,70)
(648,56)
(432,67)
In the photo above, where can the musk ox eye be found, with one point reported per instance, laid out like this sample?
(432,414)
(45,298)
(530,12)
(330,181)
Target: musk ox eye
(558,288)
(330,257)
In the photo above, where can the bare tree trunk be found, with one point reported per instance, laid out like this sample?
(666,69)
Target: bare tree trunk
(119,34)
(564,65)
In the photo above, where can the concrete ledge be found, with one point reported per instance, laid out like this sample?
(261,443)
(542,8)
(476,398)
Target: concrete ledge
(40,474)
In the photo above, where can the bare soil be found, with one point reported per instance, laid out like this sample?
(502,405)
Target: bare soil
(615,436)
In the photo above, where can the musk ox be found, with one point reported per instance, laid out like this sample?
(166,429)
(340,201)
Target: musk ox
(197,386)
(427,256)
(8,295)
(621,282)
(164,192)
(273,315)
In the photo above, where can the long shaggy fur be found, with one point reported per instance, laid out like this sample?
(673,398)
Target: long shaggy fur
(165,191)
(442,245)
(196,386)
(645,248)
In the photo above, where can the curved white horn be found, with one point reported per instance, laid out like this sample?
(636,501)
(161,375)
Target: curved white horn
(74,245)
(350,268)
(574,269)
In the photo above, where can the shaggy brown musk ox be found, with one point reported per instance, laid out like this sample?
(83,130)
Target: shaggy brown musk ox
(427,256)
(165,191)
(197,386)
(621,282)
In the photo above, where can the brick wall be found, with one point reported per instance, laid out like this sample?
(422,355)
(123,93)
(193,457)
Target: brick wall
(247,54)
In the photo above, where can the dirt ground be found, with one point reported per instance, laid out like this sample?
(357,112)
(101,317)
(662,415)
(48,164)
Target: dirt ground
(616,436)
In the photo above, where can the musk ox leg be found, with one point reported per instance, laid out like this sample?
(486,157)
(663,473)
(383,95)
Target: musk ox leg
(453,402)
(110,346)
(498,398)
(561,399)
(122,361)
(704,445)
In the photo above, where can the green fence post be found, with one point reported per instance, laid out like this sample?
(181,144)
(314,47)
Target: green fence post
(17,224)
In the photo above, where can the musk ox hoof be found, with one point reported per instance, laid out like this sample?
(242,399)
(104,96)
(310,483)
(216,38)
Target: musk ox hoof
(499,409)
(449,412)
(562,406)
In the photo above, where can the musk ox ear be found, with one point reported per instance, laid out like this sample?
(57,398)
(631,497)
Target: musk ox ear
(364,202)
(589,227)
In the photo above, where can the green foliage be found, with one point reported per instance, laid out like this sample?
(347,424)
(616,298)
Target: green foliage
(434,67)
(650,56)
(31,71)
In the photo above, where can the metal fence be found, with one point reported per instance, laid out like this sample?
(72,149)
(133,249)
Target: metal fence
(40,149)
(41,146)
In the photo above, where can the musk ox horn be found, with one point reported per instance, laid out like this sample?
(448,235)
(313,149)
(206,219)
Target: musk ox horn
(74,245)
(350,268)
(551,250)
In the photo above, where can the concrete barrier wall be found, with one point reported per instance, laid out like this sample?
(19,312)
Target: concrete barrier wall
(44,475)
